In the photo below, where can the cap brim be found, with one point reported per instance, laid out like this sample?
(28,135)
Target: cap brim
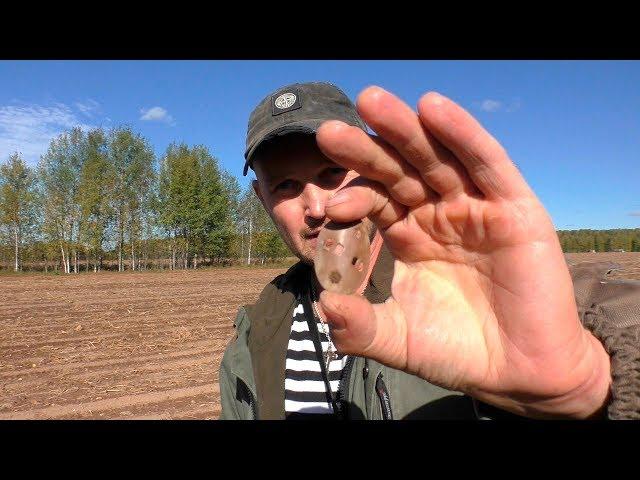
(308,126)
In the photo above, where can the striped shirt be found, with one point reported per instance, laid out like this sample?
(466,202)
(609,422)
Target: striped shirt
(304,387)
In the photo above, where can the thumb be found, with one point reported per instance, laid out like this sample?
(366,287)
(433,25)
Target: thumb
(360,328)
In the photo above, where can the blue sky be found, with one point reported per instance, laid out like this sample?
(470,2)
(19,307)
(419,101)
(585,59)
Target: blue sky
(573,127)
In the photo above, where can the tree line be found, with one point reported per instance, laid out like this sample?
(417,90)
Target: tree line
(621,239)
(102,200)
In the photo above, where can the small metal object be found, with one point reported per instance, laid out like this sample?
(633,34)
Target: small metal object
(342,256)
(331,353)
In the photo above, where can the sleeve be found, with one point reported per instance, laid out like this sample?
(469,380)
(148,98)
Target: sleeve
(228,394)
(610,309)
(229,408)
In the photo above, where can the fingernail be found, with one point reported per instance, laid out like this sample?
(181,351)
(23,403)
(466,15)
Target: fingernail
(436,98)
(335,124)
(338,198)
(332,310)
(376,88)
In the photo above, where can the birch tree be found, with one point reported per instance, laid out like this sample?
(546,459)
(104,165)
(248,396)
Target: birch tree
(18,202)
(194,204)
(131,159)
(59,175)
(96,184)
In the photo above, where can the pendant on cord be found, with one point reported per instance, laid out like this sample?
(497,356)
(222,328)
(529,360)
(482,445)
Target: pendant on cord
(329,356)
(342,256)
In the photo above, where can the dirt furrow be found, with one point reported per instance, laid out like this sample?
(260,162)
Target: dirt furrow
(103,406)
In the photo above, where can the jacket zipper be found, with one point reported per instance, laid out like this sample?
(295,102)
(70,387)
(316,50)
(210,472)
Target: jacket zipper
(343,386)
(252,400)
(383,396)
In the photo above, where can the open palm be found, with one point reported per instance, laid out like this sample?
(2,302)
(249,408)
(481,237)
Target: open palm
(482,300)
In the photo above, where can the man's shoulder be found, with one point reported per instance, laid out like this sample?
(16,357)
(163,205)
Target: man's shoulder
(281,289)
(290,280)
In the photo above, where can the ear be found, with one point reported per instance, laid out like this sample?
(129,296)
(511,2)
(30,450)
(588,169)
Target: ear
(256,188)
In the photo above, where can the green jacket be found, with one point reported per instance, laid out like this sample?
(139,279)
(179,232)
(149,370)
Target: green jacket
(253,366)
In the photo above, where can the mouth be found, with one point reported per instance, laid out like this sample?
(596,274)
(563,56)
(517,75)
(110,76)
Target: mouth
(312,238)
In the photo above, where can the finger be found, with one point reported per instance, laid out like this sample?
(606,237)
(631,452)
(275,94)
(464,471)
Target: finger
(365,198)
(399,125)
(360,328)
(372,158)
(486,162)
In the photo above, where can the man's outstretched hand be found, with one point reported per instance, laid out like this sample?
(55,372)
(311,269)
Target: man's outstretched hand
(482,300)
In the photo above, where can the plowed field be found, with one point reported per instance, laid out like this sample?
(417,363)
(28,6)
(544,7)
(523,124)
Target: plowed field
(109,345)
(132,345)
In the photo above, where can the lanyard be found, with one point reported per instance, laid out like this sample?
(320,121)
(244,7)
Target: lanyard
(313,327)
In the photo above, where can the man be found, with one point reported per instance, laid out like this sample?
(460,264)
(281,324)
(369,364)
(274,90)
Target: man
(470,310)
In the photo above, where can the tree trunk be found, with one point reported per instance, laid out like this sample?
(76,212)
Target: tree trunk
(186,256)
(133,257)
(64,257)
(17,242)
(173,253)
(120,236)
(120,265)
(249,250)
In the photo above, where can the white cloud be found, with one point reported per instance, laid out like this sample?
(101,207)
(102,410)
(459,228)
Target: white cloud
(28,128)
(88,108)
(635,214)
(489,105)
(156,114)
(514,105)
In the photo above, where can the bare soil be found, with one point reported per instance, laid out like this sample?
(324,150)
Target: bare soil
(109,345)
(133,345)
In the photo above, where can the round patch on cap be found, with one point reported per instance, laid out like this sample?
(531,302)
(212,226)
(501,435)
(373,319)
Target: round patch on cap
(285,100)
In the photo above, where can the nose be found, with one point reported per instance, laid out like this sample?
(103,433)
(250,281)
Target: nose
(315,199)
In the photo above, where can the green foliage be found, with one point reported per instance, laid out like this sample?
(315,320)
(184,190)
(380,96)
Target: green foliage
(18,203)
(600,240)
(194,202)
(131,159)
(59,173)
(96,183)
(260,237)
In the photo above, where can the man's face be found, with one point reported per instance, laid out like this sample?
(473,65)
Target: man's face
(294,182)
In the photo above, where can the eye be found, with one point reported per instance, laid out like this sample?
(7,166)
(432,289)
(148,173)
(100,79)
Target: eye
(332,177)
(286,187)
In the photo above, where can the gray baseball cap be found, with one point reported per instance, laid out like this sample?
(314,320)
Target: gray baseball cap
(297,108)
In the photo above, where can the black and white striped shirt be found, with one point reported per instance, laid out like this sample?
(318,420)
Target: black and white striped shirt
(304,387)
